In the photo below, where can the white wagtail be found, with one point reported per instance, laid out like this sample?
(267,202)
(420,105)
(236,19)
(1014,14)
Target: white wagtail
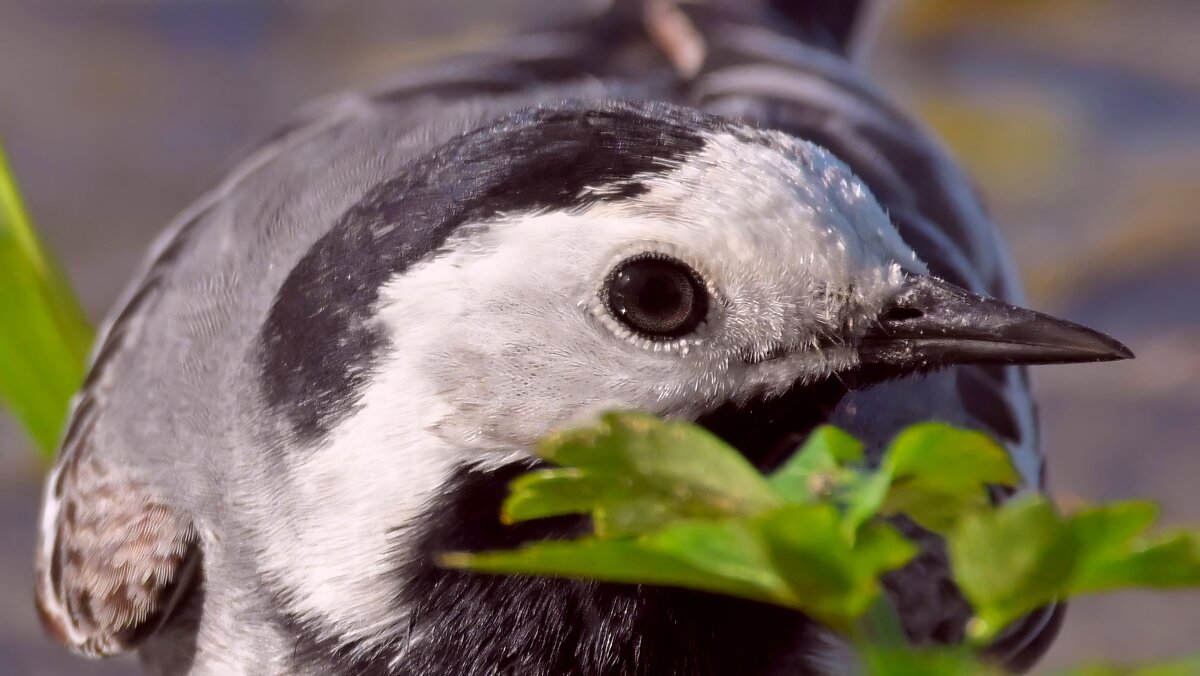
(334,362)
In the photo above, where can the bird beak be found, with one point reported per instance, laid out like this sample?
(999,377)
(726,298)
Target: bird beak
(930,323)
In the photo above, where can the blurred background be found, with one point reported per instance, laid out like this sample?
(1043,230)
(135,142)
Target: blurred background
(1079,118)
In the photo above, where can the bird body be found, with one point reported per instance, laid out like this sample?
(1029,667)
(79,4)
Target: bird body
(335,360)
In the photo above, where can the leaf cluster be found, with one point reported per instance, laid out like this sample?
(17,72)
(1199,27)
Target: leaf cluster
(671,504)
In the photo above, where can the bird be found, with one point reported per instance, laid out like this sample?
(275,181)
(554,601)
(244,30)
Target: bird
(333,363)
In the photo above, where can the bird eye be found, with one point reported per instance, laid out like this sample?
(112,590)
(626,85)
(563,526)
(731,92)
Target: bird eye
(656,296)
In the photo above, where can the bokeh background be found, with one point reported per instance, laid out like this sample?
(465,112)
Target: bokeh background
(1079,118)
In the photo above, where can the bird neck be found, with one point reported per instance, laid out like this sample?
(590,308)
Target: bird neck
(460,623)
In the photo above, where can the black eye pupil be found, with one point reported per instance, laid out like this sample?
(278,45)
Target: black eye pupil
(657,297)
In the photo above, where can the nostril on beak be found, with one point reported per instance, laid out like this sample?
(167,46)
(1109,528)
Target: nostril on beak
(899,313)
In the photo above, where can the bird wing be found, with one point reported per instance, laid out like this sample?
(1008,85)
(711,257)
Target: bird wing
(115,557)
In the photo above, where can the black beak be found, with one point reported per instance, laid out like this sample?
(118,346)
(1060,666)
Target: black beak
(931,323)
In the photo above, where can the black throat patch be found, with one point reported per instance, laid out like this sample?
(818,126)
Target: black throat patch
(319,343)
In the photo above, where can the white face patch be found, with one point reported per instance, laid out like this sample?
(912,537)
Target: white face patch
(516,339)
(502,337)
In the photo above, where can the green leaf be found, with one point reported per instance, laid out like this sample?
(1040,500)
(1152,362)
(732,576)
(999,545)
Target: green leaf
(1188,666)
(932,472)
(835,578)
(1113,555)
(863,498)
(822,470)
(635,473)
(673,505)
(1023,555)
(558,491)
(1168,562)
(1010,561)
(44,336)
(733,551)
(940,473)
(1095,670)
(880,626)
(721,557)
(1109,530)
(889,661)
(794,556)
(813,471)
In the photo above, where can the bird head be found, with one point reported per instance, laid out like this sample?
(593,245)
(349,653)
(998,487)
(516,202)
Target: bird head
(579,258)
(571,260)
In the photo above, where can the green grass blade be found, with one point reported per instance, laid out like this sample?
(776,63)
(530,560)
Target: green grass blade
(44,334)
